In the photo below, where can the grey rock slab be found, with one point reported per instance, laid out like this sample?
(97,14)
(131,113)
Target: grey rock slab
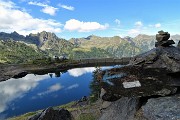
(163,108)
(122,109)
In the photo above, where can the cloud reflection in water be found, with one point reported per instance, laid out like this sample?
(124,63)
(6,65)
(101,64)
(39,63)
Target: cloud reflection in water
(17,88)
(80,71)
(51,89)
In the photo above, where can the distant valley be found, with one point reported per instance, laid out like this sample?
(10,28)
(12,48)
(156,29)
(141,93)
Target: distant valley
(16,48)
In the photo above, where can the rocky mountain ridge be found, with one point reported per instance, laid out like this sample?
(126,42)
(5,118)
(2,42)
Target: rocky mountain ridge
(91,46)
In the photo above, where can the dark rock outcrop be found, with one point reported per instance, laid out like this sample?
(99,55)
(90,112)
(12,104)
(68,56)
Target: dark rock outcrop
(51,114)
(163,108)
(160,57)
(41,37)
(137,81)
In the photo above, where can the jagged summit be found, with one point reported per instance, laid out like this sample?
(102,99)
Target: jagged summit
(41,37)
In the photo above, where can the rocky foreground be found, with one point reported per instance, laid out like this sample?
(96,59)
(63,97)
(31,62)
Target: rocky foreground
(147,88)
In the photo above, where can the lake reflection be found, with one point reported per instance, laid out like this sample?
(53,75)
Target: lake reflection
(35,92)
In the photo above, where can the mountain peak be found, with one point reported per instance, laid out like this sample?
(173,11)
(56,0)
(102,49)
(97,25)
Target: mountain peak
(15,33)
(144,36)
(92,37)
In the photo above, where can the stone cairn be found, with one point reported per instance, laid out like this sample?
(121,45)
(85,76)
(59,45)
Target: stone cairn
(162,39)
(178,44)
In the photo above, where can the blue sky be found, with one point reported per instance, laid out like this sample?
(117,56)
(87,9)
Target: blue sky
(81,18)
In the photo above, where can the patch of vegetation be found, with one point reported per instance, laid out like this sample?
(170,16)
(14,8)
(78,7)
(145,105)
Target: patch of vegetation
(57,47)
(95,86)
(23,117)
(80,53)
(18,52)
(125,49)
(87,116)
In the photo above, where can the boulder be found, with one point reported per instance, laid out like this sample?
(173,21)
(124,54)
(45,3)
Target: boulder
(162,108)
(122,109)
(51,114)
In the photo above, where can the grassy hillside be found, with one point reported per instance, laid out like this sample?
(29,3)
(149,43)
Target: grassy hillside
(116,46)
(18,52)
(79,53)
(57,47)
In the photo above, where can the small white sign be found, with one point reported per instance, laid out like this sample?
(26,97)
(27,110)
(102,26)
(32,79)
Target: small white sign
(131,84)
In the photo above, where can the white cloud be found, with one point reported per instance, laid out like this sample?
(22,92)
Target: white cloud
(80,71)
(51,89)
(55,87)
(158,25)
(80,26)
(133,32)
(16,88)
(46,8)
(117,21)
(13,19)
(7,4)
(73,86)
(49,10)
(138,24)
(37,4)
(66,7)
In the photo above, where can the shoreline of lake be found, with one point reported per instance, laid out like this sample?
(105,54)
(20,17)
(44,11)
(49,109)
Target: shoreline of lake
(20,70)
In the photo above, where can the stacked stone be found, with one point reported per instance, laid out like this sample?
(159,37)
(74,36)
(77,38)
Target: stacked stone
(162,39)
(178,44)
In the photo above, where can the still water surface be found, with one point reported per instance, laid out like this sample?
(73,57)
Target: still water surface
(34,92)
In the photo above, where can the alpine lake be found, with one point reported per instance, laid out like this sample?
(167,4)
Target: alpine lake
(37,92)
